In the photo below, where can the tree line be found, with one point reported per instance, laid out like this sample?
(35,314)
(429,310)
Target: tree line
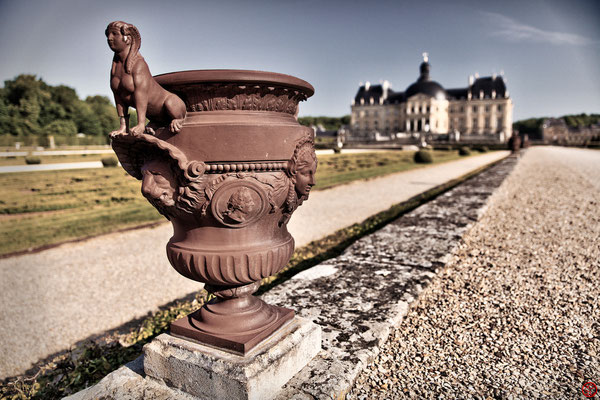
(533,126)
(32,110)
(329,123)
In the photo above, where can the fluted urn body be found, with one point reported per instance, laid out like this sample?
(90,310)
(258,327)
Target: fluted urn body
(228,181)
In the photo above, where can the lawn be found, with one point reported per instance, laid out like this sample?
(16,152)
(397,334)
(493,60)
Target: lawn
(337,169)
(48,207)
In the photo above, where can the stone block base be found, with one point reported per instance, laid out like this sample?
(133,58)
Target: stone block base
(209,373)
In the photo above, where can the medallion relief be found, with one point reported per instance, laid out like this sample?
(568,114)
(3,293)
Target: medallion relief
(238,204)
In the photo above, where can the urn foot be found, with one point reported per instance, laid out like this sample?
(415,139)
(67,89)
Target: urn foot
(194,327)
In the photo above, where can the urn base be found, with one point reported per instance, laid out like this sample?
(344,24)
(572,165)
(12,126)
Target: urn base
(193,327)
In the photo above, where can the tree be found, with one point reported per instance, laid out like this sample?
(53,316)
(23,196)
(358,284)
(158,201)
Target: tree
(329,123)
(62,127)
(27,104)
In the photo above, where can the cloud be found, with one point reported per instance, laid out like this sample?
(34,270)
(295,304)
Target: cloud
(510,29)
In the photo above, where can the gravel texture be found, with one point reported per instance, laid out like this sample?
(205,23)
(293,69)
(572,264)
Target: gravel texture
(516,312)
(52,299)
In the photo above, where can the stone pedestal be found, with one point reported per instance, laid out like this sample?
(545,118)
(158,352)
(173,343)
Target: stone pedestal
(210,373)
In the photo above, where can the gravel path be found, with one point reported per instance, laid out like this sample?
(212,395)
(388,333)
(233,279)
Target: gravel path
(53,299)
(516,313)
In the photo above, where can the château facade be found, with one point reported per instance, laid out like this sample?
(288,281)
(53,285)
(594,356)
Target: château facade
(481,111)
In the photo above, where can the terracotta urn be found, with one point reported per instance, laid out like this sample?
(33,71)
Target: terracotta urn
(228,180)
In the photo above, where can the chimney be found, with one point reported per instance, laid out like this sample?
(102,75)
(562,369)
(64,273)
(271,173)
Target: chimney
(471,80)
(386,87)
(476,75)
(367,85)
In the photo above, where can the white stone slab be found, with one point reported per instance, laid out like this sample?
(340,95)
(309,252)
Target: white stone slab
(210,373)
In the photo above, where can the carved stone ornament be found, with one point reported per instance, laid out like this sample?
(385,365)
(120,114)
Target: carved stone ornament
(228,180)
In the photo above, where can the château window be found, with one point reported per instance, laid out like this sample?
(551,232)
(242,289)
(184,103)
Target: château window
(474,108)
(487,108)
(499,107)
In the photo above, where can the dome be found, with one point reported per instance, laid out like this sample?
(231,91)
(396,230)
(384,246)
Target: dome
(429,88)
(424,85)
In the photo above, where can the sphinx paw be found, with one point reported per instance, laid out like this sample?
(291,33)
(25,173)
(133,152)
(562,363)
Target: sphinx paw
(176,125)
(114,134)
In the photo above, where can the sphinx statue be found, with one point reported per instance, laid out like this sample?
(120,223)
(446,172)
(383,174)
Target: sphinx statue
(133,86)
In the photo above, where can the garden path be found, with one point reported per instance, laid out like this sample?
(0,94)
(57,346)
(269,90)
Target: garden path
(54,298)
(516,312)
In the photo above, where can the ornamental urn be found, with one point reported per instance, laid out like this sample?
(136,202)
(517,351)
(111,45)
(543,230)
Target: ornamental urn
(228,178)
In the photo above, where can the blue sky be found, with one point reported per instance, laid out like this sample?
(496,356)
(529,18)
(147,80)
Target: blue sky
(549,50)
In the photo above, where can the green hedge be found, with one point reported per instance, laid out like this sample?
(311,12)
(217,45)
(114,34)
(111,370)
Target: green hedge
(110,161)
(423,157)
(464,151)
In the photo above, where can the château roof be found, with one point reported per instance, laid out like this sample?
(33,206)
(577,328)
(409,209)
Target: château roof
(486,86)
(367,92)
(457,94)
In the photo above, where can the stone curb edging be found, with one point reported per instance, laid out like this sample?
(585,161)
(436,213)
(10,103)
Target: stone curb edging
(357,297)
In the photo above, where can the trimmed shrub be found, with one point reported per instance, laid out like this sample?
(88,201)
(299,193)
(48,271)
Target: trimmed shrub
(337,150)
(33,160)
(483,149)
(110,161)
(423,157)
(464,151)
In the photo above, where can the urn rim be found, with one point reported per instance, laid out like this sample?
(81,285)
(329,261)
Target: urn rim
(238,76)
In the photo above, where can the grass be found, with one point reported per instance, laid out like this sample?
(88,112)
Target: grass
(42,208)
(338,169)
(82,367)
